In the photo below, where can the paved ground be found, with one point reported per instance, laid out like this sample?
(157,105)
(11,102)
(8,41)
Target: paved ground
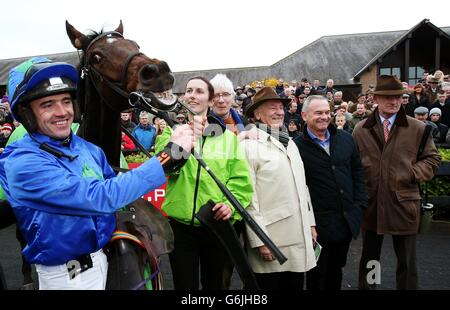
(433,261)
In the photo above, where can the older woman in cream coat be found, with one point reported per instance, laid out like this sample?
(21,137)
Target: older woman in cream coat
(281,204)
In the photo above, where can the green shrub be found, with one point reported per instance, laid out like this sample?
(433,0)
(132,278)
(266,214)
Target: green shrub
(136,158)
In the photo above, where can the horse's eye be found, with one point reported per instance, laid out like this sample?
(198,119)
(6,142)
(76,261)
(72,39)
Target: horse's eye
(96,58)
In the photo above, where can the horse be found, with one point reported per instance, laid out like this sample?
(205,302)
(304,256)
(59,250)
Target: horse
(111,68)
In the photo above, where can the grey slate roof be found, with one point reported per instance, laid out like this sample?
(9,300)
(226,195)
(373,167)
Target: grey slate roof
(340,57)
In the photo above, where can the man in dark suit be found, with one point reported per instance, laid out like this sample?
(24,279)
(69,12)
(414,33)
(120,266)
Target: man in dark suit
(336,183)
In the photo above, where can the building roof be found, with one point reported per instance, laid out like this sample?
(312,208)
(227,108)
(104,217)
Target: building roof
(399,40)
(8,64)
(340,57)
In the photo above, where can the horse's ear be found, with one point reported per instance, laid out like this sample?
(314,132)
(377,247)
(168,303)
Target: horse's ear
(120,28)
(79,40)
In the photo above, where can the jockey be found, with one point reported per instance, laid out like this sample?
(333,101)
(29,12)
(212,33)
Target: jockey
(61,188)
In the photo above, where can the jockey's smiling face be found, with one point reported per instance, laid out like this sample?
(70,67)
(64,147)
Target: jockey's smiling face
(54,115)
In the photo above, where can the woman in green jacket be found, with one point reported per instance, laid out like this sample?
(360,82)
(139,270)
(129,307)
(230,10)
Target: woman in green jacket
(192,187)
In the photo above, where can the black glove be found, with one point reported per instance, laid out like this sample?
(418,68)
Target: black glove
(172,157)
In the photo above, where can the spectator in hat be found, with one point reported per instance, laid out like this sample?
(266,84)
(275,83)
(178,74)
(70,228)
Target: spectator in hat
(6,130)
(239,90)
(421,114)
(180,119)
(433,89)
(443,103)
(408,105)
(392,181)
(435,117)
(276,167)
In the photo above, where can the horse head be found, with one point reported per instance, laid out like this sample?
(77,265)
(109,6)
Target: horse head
(116,76)
(117,68)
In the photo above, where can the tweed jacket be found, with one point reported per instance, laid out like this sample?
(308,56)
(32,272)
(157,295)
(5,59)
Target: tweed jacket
(393,172)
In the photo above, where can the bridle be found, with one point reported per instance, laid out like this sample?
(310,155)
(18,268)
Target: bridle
(95,76)
(136,99)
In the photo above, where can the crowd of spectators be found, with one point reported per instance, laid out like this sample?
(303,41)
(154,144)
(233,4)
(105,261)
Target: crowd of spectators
(432,94)
(428,100)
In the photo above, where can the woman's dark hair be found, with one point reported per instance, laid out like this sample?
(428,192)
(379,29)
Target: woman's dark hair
(208,84)
(295,123)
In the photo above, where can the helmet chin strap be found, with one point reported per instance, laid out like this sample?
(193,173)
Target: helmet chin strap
(57,153)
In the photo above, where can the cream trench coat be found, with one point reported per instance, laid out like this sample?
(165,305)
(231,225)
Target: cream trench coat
(281,204)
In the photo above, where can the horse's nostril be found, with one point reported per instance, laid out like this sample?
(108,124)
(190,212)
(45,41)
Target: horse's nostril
(148,72)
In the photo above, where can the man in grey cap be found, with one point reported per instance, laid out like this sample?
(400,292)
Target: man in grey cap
(388,141)
(421,114)
(180,119)
(407,105)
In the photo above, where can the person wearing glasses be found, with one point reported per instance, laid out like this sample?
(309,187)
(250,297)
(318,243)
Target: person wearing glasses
(223,100)
(197,251)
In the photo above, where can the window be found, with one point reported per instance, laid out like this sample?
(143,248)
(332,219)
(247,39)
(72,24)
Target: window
(415,74)
(390,71)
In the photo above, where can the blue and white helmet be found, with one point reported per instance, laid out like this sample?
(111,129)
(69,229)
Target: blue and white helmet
(44,79)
